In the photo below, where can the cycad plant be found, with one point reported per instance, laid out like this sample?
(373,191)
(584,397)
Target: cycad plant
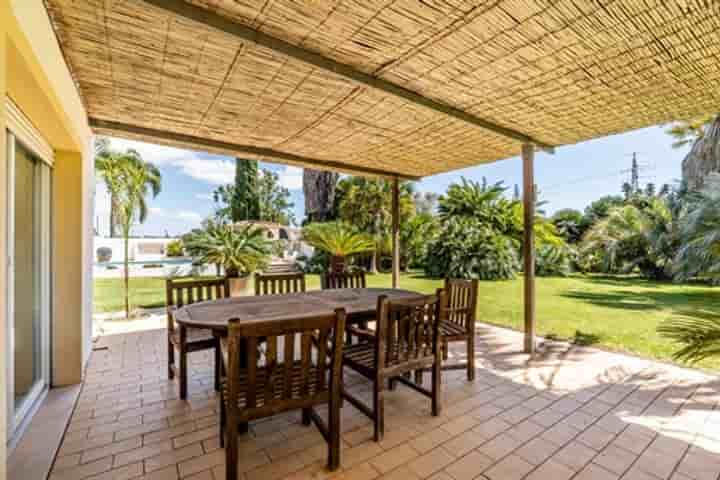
(239,250)
(339,240)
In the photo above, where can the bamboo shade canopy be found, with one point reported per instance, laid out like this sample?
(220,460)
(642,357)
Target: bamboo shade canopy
(557,71)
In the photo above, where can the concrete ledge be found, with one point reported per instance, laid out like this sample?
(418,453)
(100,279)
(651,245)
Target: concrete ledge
(34,454)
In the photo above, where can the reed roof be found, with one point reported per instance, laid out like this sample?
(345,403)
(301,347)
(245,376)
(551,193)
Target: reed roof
(555,71)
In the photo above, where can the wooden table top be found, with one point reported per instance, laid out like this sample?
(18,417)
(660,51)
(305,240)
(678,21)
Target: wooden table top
(215,314)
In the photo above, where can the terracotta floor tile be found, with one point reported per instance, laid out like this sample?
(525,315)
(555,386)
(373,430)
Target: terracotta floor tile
(83,471)
(510,468)
(574,455)
(143,453)
(537,450)
(430,462)
(428,441)
(393,458)
(469,466)
(551,470)
(595,472)
(111,449)
(127,472)
(463,443)
(595,438)
(173,457)
(500,446)
(615,459)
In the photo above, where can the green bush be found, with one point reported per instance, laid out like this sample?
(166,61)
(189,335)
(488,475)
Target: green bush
(465,248)
(553,260)
(318,263)
(175,249)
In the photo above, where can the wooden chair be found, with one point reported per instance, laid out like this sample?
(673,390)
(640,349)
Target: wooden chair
(279,283)
(300,368)
(458,323)
(335,281)
(407,339)
(330,281)
(186,340)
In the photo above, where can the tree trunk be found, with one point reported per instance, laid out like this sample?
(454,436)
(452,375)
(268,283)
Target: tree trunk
(126,280)
(337,264)
(704,157)
(112,215)
(374,262)
(319,193)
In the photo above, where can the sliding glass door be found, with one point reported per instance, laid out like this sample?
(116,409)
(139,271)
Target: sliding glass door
(29,282)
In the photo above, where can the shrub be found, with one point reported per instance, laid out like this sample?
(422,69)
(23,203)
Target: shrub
(175,249)
(318,263)
(467,249)
(553,260)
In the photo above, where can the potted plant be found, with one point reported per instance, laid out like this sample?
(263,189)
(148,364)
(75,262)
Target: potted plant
(339,240)
(240,251)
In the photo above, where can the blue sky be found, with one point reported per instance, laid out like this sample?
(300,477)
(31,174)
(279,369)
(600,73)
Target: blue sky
(571,178)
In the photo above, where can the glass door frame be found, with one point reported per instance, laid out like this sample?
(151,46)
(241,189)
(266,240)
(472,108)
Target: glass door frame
(19,416)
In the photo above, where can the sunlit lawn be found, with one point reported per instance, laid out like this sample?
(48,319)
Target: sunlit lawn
(617,313)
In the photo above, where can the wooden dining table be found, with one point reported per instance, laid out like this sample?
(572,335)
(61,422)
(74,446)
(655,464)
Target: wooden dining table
(360,304)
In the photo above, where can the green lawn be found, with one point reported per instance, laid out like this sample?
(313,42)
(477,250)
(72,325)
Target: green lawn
(617,313)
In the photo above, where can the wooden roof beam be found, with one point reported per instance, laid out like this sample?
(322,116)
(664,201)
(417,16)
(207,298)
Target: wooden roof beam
(172,139)
(215,21)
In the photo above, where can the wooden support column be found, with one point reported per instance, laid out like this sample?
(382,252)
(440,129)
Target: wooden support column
(396,232)
(528,156)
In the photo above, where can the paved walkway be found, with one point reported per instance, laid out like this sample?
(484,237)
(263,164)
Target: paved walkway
(572,412)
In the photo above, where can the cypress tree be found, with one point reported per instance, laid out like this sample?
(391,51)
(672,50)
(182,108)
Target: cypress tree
(245,203)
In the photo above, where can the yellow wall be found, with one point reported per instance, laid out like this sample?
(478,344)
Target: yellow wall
(3,238)
(67,266)
(34,74)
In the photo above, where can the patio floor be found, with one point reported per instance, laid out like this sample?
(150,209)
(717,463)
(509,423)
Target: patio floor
(572,412)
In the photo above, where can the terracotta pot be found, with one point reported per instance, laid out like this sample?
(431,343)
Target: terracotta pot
(238,286)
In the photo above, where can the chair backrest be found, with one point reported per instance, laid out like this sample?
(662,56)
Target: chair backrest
(279,283)
(301,363)
(408,330)
(461,302)
(330,281)
(180,292)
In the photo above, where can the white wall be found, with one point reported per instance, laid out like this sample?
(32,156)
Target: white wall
(118,248)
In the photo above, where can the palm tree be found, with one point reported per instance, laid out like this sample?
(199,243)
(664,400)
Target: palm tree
(338,239)
(700,229)
(686,132)
(135,179)
(108,166)
(698,332)
(367,204)
(632,236)
(239,250)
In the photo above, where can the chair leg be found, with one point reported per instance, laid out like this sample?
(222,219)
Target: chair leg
(171,360)
(418,376)
(223,419)
(436,401)
(334,434)
(445,351)
(218,367)
(231,449)
(379,409)
(183,372)
(471,358)
(306,418)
